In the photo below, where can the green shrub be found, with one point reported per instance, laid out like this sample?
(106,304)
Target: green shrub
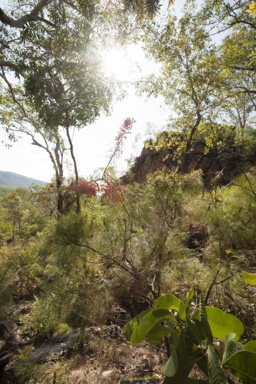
(195,334)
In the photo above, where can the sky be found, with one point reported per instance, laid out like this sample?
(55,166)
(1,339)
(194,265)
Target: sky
(93,145)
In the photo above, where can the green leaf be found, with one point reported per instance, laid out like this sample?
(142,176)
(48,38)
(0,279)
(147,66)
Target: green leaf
(250,278)
(222,323)
(168,302)
(129,328)
(170,367)
(250,346)
(157,333)
(215,372)
(175,337)
(195,331)
(231,347)
(190,294)
(243,365)
(186,361)
(148,322)
(202,364)
(184,307)
(195,381)
(183,312)
(204,321)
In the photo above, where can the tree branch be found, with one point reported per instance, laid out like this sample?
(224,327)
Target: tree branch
(11,90)
(32,16)
(9,64)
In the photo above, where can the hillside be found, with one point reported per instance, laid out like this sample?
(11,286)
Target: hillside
(10,179)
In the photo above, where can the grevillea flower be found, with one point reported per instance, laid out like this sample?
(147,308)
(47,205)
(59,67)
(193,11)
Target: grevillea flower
(112,193)
(124,130)
(88,188)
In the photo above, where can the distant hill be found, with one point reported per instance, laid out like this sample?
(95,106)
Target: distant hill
(13,180)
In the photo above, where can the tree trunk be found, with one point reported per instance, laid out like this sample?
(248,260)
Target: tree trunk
(78,206)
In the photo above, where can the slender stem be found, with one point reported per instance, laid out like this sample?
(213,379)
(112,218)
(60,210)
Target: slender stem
(215,276)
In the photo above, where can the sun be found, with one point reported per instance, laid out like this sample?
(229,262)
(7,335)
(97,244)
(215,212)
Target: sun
(127,63)
(116,63)
(121,62)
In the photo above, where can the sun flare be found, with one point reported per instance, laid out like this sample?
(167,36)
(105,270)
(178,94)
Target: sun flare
(116,63)
(127,63)
(121,62)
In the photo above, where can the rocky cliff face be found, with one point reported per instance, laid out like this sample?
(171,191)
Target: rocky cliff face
(218,165)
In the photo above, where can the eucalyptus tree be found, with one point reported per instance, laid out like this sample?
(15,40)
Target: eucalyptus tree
(208,85)
(237,50)
(221,15)
(238,22)
(53,48)
(238,69)
(20,119)
(190,80)
(19,18)
(60,85)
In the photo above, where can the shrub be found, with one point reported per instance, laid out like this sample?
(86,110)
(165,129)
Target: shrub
(195,334)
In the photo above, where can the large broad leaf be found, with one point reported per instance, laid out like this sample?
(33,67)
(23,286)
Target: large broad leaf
(170,367)
(243,365)
(222,323)
(195,331)
(157,333)
(182,372)
(168,302)
(250,278)
(186,360)
(198,327)
(148,322)
(215,372)
(250,346)
(134,323)
(231,347)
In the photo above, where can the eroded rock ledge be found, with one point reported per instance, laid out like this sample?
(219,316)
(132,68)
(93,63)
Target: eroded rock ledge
(218,165)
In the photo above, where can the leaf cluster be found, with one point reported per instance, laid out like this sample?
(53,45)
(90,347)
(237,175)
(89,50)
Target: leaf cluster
(190,335)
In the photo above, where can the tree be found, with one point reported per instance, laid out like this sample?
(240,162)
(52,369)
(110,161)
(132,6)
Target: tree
(206,85)
(54,51)
(149,7)
(18,22)
(63,85)
(190,80)
(32,16)
(220,15)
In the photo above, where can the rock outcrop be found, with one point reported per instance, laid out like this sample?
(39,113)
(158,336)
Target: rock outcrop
(218,165)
